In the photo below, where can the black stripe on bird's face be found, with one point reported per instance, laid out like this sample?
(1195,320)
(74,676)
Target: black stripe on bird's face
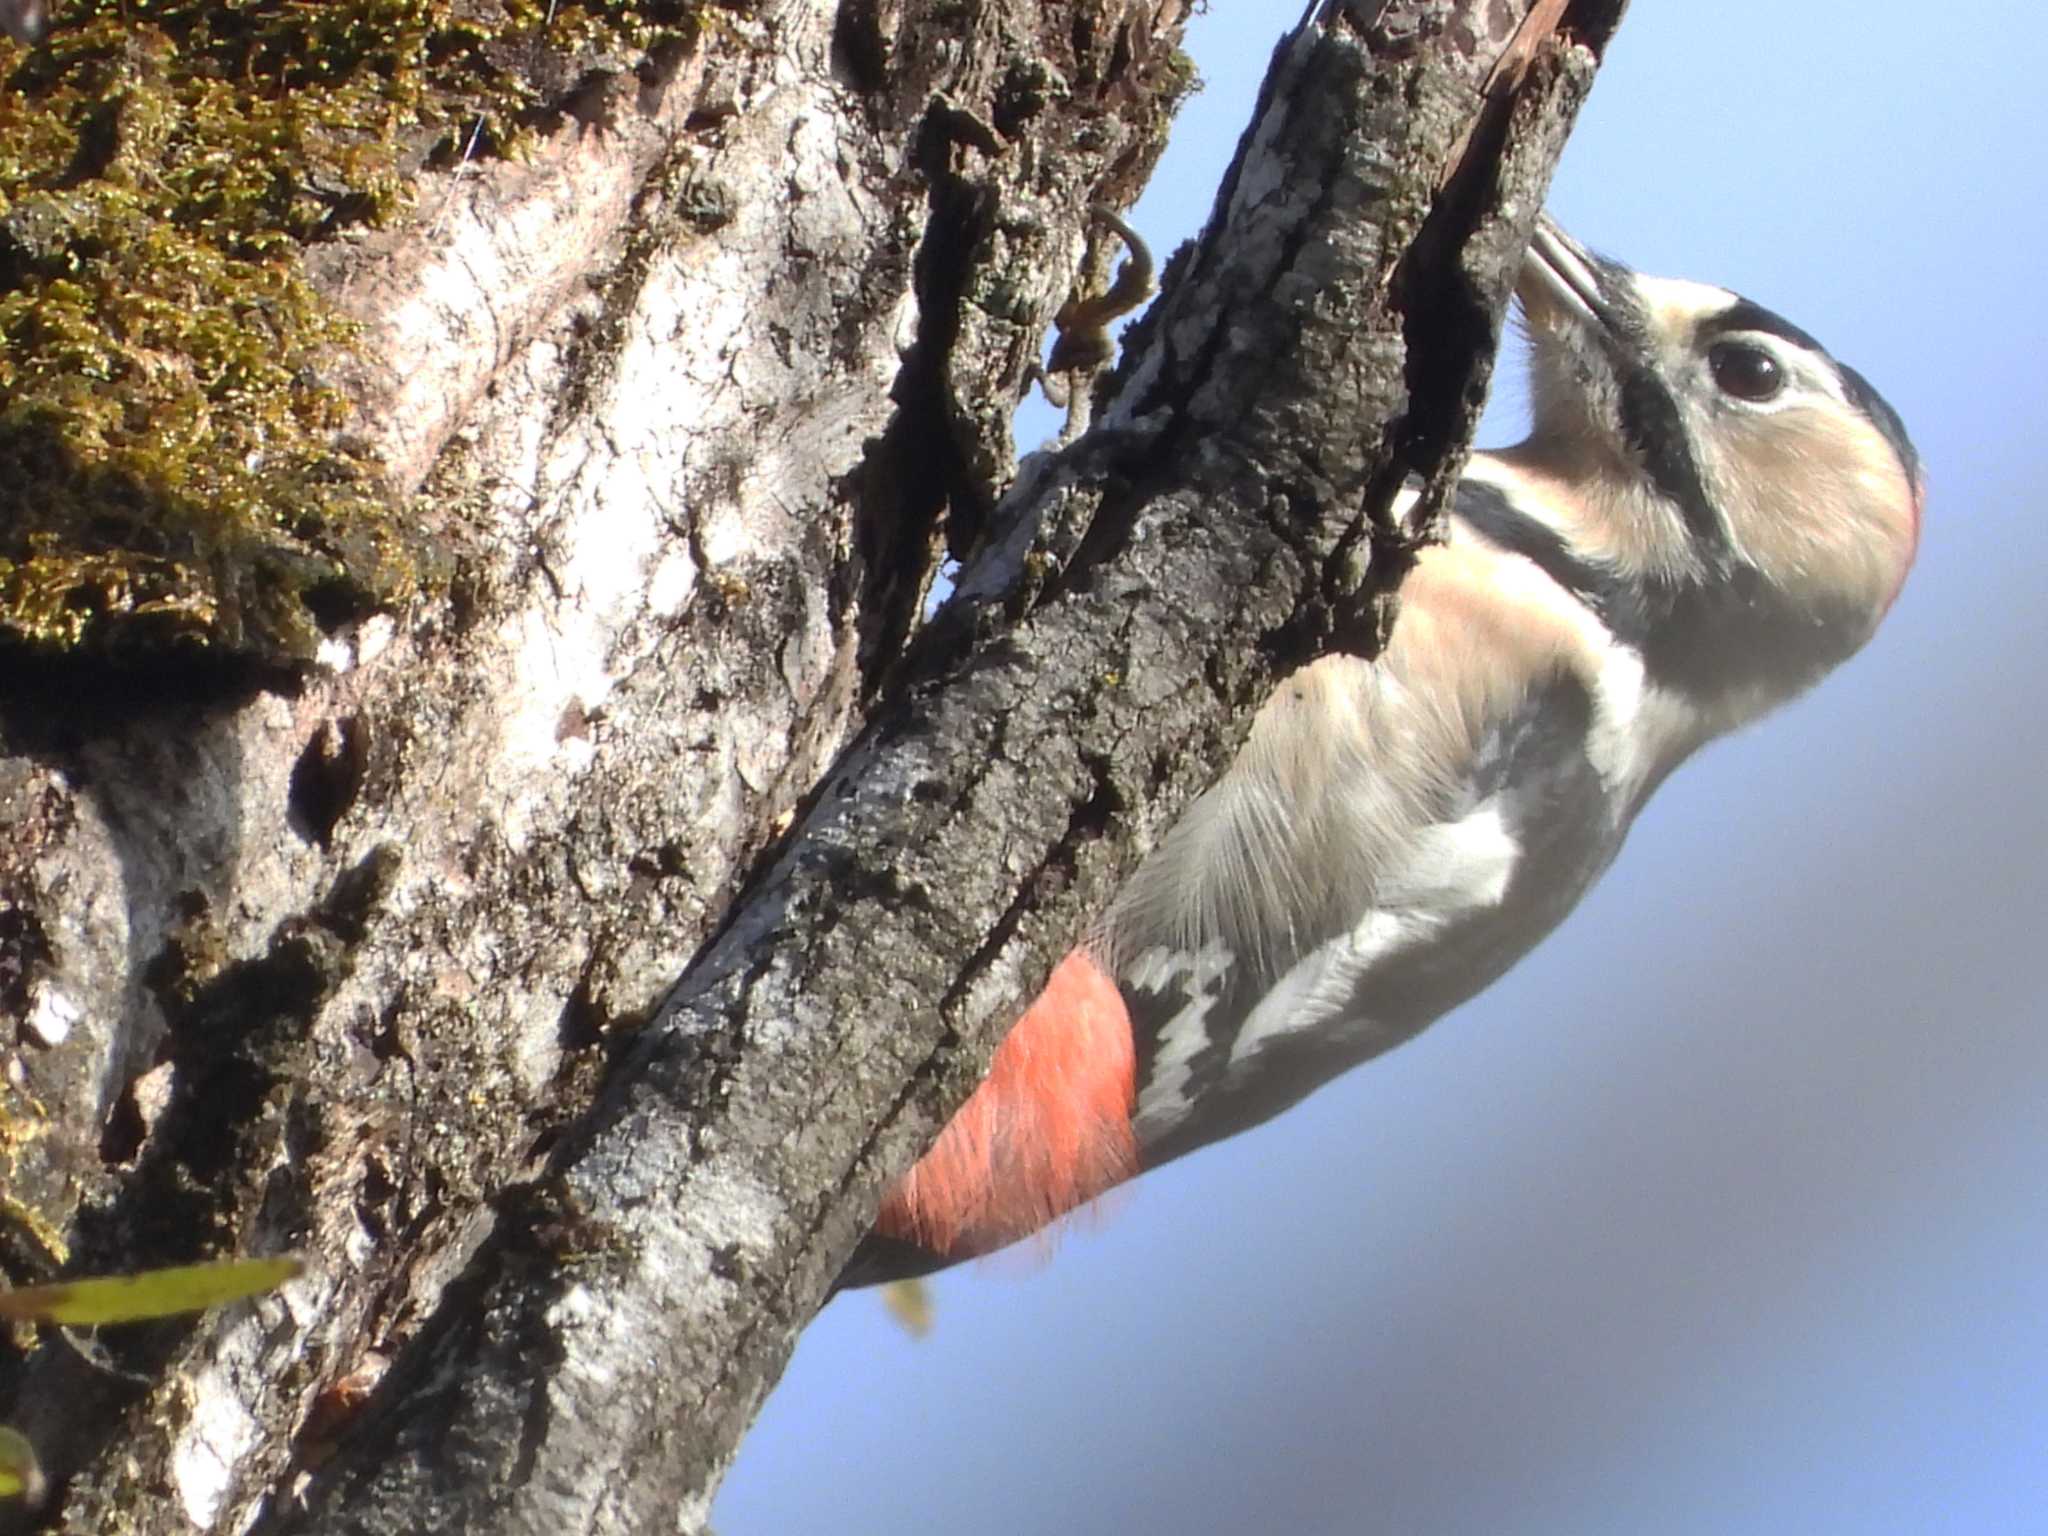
(1598,309)
(1653,427)
(1700,639)
(1613,598)
(1651,424)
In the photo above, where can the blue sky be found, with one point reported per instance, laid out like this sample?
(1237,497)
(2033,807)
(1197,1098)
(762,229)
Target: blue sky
(1727,1211)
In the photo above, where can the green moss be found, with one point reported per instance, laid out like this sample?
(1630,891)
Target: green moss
(1183,81)
(171,469)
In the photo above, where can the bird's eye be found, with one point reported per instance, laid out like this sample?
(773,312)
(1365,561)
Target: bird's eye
(1747,373)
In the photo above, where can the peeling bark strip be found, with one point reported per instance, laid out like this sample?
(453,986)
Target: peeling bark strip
(328,960)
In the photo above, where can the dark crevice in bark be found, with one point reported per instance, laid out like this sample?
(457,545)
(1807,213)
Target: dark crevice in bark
(1450,324)
(583,1022)
(915,479)
(24,952)
(860,55)
(52,707)
(327,778)
(1592,23)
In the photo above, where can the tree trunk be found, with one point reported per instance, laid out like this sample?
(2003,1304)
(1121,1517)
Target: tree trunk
(370,948)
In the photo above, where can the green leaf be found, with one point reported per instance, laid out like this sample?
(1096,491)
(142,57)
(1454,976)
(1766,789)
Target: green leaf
(910,1303)
(20,1475)
(151,1293)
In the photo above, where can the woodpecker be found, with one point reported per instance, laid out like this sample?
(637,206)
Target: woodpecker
(1709,513)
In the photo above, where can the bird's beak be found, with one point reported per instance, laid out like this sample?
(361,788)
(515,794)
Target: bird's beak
(1560,285)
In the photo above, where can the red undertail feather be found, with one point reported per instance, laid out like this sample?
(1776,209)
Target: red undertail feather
(1048,1130)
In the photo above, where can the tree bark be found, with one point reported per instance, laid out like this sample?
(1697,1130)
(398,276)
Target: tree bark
(378,960)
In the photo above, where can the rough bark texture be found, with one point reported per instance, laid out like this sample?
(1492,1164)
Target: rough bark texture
(371,962)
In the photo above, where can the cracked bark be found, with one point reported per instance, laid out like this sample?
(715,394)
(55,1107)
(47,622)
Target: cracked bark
(371,963)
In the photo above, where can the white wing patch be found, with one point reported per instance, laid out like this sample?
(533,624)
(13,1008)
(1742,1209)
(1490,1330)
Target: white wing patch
(1452,869)
(1455,865)
(1164,1095)
(1613,746)
(1638,728)
(1350,804)
(1323,985)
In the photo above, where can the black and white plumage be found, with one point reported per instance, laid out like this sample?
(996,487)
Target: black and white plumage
(1709,513)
